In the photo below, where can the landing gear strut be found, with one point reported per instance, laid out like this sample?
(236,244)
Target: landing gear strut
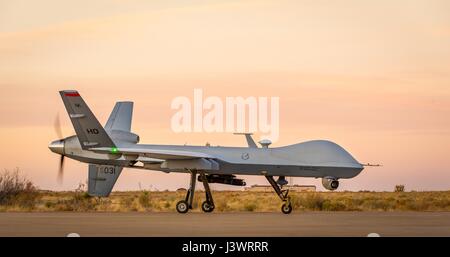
(183,206)
(208,205)
(286,208)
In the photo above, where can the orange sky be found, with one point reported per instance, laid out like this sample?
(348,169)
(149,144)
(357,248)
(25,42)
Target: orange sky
(373,76)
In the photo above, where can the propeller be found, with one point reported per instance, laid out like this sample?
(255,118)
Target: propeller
(61,170)
(57,127)
(58,130)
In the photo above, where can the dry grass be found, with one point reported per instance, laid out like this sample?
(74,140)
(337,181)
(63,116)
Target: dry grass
(19,194)
(226,201)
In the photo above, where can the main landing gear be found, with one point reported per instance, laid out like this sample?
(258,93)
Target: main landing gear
(183,206)
(286,208)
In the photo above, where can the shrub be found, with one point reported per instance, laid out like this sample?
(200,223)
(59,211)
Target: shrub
(313,202)
(144,199)
(17,190)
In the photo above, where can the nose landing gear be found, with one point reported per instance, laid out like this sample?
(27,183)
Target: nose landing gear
(286,208)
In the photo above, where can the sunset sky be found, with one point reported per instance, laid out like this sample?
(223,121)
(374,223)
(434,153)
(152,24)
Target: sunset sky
(372,76)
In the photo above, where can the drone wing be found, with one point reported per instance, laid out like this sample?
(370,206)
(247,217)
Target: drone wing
(170,159)
(155,153)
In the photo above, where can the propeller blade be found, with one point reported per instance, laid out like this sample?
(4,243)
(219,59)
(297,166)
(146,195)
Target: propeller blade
(57,127)
(61,169)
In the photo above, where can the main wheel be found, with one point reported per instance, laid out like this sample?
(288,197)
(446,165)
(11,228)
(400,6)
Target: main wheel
(182,206)
(207,207)
(286,208)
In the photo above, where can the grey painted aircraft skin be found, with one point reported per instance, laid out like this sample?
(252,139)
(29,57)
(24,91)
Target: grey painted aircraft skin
(298,160)
(109,149)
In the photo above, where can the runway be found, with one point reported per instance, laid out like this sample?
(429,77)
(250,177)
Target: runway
(60,224)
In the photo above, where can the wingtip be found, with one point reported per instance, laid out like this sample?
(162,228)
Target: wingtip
(371,165)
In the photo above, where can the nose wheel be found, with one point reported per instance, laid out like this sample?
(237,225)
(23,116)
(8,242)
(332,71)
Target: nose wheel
(286,208)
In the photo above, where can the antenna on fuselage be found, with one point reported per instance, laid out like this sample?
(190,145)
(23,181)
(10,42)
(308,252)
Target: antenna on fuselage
(251,143)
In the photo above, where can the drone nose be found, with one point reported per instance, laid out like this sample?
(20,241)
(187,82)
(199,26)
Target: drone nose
(57,147)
